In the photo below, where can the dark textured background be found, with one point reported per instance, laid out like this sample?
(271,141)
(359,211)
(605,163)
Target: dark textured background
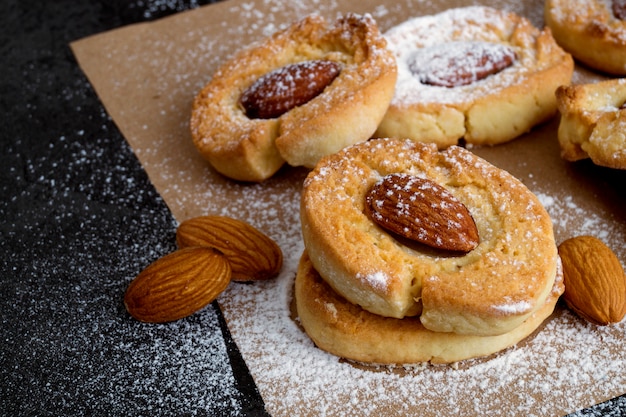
(78,220)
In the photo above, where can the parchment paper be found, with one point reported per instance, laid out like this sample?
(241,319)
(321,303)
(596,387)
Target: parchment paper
(147,76)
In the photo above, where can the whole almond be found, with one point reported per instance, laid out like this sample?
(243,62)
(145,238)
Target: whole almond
(456,64)
(423,211)
(619,9)
(595,284)
(287,87)
(177,285)
(252,254)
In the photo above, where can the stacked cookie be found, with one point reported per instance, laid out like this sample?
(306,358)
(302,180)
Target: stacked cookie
(414,254)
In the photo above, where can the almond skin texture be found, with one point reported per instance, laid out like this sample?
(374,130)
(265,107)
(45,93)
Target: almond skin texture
(619,9)
(285,88)
(595,284)
(177,285)
(423,211)
(252,255)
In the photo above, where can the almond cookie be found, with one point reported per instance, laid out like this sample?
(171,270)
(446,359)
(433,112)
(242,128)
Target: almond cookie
(593,122)
(476,73)
(305,92)
(488,290)
(346,330)
(593,31)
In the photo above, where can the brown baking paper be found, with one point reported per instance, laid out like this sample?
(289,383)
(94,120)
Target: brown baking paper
(147,76)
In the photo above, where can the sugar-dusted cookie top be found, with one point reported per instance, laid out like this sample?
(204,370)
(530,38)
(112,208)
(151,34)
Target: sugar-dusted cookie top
(476,73)
(487,290)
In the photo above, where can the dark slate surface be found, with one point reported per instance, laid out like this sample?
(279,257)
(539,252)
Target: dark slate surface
(78,220)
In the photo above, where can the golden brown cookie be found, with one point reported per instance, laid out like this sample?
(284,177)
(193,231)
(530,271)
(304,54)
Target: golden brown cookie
(346,330)
(593,122)
(342,105)
(593,31)
(476,73)
(489,290)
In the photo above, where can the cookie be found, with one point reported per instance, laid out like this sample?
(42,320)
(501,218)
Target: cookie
(593,31)
(488,290)
(305,92)
(475,73)
(593,122)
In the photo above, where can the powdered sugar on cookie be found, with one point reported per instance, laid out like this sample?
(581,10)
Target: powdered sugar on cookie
(447,31)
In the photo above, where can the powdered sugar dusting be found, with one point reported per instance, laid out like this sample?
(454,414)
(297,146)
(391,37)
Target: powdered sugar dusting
(567,216)
(514,307)
(549,374)
(569,364)
(543,377)
(459,63)
(377,280)
(457,26)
